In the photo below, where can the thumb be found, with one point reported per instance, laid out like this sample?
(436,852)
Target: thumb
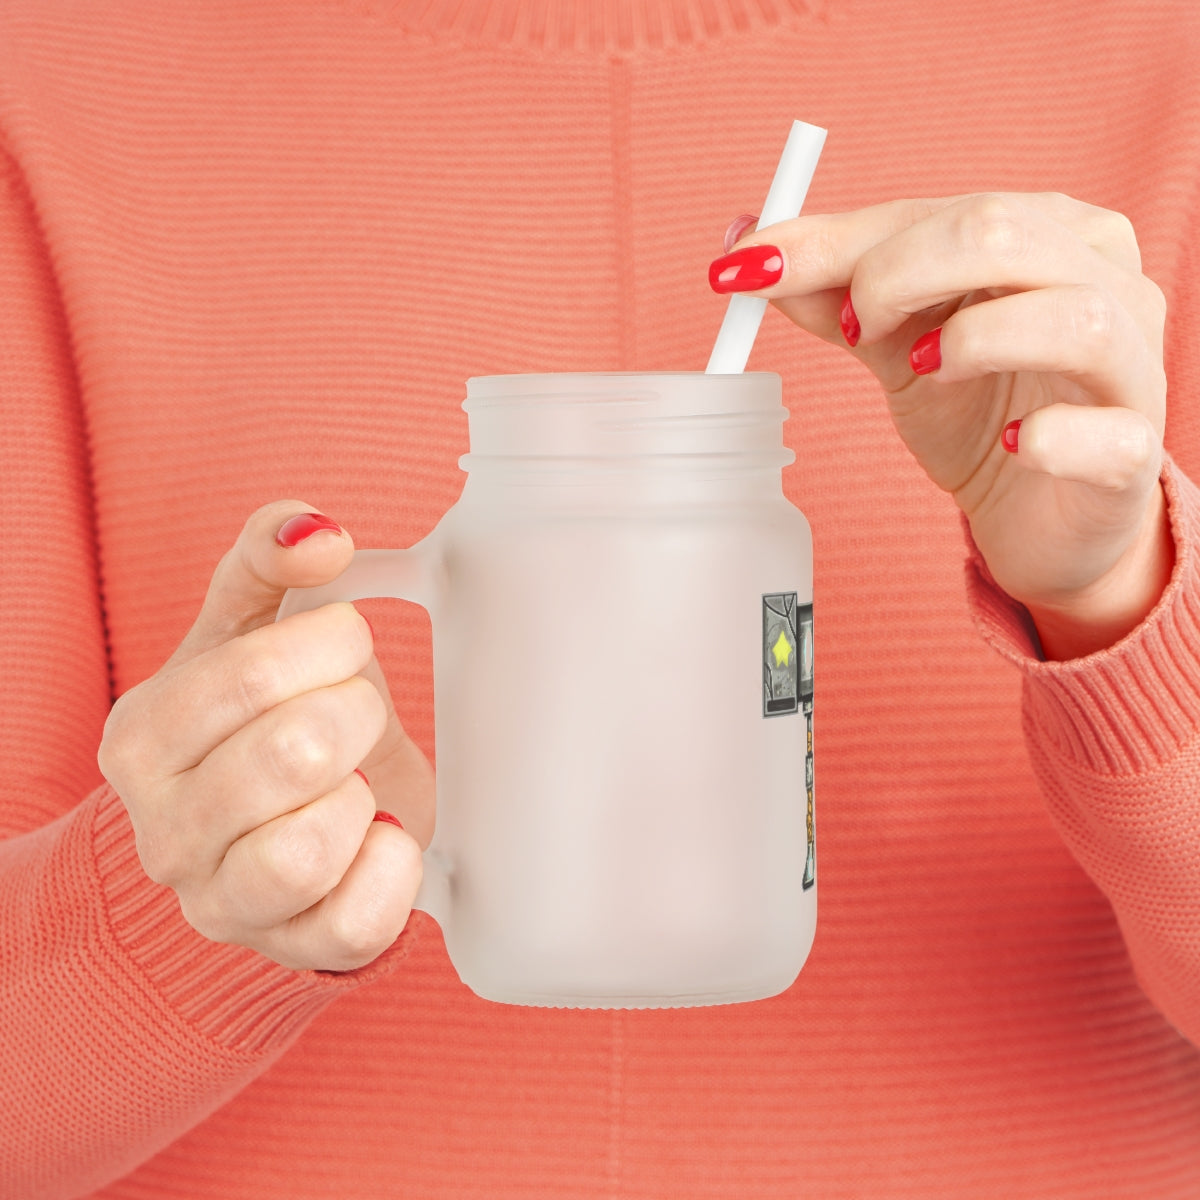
(289,544)
(283,545)
(1114,450)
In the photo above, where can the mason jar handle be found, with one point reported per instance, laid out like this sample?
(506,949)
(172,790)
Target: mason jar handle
(396,574)
(388,574)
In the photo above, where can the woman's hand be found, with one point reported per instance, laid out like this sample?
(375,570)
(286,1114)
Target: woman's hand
(237,762)
(977,313)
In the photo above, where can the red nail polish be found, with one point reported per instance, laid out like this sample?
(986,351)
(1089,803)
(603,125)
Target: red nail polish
(1009,436)
(380,815)
(926,353)
(295,529)
(737,228)
(746,270)
(851,330)
(362,777)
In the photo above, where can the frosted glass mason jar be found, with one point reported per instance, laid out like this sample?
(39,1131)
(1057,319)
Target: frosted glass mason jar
(621,602)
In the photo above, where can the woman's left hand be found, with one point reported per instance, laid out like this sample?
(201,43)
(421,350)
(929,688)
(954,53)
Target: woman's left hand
(979,312)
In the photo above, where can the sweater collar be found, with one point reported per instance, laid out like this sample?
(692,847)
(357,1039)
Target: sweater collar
(616,26)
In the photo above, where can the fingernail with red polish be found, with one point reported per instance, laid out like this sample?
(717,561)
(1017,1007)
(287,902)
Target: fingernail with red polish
(1009,436)
(737,227)
(851,330)
(296,529)
(926,353)
(362,777)
(746,270)
(380,815)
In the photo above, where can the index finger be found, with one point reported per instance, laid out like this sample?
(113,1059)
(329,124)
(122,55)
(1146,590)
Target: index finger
(188,710)
(821,250)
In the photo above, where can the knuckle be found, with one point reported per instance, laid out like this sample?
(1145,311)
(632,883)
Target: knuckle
(120,753)
(160,857)
(917,208)
(258,679)
(817,254)
(360,934)
(112,753)
(1059,206)
(1141,447)
(1090,318)
(1117,476)
(298,751)
(298,859)
(1117,229)
(208,919)
(878,286)
(994,226)
(1127,451)
(1112,234)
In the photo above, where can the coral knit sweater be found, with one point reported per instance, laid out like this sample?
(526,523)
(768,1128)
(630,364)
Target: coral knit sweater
(251,251)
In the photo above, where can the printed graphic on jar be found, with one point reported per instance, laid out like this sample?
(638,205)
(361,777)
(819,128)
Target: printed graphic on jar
(788,688)
(784,655)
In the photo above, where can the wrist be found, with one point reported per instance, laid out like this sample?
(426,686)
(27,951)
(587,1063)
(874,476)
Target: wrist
(1113,606)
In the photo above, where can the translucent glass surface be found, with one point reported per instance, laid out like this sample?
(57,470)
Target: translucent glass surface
(621,603)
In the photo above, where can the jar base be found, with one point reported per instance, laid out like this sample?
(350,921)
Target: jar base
(763,991)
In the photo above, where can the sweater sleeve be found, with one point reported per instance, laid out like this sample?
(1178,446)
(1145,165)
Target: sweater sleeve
(1114,739)
(120,1027)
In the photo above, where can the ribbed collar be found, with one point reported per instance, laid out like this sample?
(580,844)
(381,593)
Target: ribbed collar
(589,25)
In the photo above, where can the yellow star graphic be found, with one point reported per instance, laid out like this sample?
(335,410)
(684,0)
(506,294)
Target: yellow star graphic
(782,651)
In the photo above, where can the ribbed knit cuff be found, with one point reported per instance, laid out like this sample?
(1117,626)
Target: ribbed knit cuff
(233,996)
(1128,708)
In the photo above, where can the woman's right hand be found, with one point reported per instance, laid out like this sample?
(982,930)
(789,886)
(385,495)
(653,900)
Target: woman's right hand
(237,762)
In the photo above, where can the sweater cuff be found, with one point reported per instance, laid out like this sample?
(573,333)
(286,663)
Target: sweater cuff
(235,997)
(1125,709)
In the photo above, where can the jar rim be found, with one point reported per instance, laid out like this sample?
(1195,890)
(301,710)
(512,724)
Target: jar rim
(571,385)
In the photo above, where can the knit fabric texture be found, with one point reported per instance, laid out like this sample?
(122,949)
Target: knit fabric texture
(253,251)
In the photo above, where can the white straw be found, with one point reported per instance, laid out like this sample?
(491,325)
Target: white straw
(788,189)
